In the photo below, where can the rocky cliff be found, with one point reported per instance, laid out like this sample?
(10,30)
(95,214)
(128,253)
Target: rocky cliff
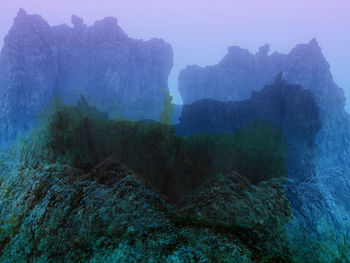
(56,213)
(317,130)
(240,73)
(53,209)
(115,73)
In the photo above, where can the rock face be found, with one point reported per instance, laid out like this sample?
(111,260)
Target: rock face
(115,73)
(240,73)
(280,103)
(58,214)
(226,199)
(317,129)
(51,211)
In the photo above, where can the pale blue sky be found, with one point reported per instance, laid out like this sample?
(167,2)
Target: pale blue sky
(201,30)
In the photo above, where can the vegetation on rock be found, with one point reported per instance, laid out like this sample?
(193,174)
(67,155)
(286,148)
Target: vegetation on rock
(166,115)
(173,164)
(70,185)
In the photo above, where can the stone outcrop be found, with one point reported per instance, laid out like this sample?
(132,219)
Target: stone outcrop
(122,76)
(317,130)
(55,211)
(58,214)
(226,198)
(240,73)
(280,103)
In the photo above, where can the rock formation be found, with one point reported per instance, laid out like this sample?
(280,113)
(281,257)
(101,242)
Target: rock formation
(55,210)
(317,130)
(117,74)
(280,103)
(240,73)
(74,201)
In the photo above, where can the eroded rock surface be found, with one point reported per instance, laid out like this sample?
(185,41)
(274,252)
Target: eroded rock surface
(240,73)
(317,129)
(58,213)
(122,76)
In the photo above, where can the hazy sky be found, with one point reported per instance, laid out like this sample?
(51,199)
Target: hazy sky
(200,31)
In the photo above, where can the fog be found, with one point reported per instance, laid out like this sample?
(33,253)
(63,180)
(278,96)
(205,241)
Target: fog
(200,31)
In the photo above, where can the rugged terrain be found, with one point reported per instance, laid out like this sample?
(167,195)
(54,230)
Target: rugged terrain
(306,103)
(122,76)
(55,210)
(85,188)
(240,73)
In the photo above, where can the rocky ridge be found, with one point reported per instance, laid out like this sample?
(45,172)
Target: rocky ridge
(115,73)
(309,106)
(54,212)
(240,73)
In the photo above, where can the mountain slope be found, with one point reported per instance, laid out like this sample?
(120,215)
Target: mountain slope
(115,73)
(53,210)
(317,131)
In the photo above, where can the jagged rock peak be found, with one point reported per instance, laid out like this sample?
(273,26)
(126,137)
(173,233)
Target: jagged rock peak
(310,109)
(77,22)
(109,28)
(312,49)
(240,73)
(99,61)
(313,42)
(237,50)
(21,12)
(111,21)
(24,18)
(264,50)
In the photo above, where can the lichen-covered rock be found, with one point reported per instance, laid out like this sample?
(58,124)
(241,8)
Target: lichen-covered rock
(28,71)
(234,78)
(233,199)
(57,213)
(317,130)
(280,103)
(65,198)
(240,73)
(122,76)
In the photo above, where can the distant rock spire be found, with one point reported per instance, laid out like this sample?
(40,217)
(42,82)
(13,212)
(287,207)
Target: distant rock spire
(21,12)
(313,42)
(112,21)
(264,50)
(77,22)
(98,61)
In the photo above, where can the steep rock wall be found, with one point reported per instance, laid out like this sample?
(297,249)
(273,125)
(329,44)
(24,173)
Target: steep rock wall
(317,130)
(120,75)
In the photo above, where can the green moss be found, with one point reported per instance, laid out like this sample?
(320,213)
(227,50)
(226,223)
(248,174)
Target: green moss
(9,227)
(253,237)
(257,151)
(173,164)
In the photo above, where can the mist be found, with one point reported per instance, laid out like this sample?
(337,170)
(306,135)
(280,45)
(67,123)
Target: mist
(201,31)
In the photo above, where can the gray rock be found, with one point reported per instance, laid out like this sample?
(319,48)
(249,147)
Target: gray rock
(57,213)
(317,129)
(240,73)
(119,75)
